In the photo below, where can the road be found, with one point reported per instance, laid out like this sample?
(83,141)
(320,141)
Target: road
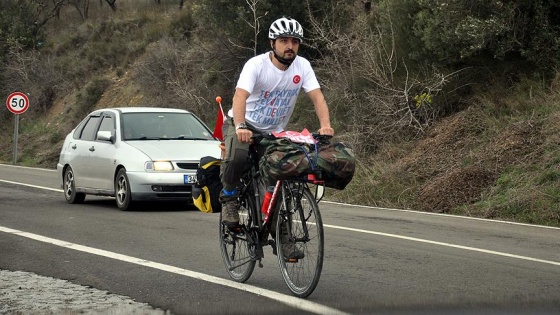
(377,261)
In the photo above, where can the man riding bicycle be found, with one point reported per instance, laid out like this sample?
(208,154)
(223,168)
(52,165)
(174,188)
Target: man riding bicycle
(264,99)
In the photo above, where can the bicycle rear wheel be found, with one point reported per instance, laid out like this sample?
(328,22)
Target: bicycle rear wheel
(238,248)
(299,222)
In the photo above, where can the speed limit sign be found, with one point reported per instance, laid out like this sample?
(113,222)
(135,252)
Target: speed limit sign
(17,103)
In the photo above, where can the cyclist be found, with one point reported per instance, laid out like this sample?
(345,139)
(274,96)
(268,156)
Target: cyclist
(264,99)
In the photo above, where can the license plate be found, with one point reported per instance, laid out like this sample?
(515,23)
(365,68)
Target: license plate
(190,179)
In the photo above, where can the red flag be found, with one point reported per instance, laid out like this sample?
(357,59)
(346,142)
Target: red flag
(219,121)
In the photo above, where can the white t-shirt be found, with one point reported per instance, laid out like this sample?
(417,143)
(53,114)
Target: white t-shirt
(273,92)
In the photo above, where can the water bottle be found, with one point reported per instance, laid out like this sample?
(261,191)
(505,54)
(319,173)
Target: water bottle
(266,201)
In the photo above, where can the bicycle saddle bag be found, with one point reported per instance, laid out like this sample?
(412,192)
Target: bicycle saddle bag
(206,190)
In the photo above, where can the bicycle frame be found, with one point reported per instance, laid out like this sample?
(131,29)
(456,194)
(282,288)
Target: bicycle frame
(293,212)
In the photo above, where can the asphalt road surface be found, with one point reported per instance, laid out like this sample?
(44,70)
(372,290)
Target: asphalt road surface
(377,261)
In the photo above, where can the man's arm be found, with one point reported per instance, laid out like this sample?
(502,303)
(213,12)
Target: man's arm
(239,109)
(322,111)
(239,105)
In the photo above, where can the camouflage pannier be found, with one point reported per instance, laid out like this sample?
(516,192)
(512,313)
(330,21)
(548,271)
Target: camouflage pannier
(284,159)
(337,164)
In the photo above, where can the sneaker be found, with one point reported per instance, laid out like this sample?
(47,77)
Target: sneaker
(230,214)
(291,252)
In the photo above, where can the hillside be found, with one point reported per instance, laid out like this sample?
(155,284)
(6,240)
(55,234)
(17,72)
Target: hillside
(497,157)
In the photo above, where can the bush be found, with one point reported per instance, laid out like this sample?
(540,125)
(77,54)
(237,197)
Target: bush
(88,98)
(457,32)
(370,91)
(17,26)
(34,74)
(175,74)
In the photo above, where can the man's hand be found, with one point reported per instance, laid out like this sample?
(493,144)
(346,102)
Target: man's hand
(244,135)
(328,131)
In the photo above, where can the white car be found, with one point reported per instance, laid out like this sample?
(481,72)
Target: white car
(134,154)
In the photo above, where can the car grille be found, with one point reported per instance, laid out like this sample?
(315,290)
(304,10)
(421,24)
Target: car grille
(188,166)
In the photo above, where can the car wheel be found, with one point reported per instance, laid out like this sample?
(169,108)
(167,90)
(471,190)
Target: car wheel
(70,193)
(122,191)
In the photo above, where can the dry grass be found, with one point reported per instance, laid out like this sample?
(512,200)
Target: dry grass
(477,162)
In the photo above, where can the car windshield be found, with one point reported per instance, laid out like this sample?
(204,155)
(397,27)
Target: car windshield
(163,126)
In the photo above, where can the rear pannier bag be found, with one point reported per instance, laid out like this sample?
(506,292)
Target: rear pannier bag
(337,164)
(206,190)
(284,159)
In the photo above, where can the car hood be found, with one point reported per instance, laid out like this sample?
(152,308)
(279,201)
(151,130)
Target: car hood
(177,150)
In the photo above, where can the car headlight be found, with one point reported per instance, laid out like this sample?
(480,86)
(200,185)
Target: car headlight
(160,166)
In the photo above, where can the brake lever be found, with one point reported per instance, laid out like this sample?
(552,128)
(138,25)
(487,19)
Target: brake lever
(322,139)
(259,136)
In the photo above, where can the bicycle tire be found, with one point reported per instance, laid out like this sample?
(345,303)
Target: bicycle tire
(299,211)
(237,252)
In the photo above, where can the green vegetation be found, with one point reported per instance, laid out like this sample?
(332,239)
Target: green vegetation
(451,106)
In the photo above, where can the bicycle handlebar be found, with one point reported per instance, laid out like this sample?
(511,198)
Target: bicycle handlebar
(322,139)
(258,136)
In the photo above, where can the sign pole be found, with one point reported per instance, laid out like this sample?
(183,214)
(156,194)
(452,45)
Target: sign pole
(16,131)
(17,103)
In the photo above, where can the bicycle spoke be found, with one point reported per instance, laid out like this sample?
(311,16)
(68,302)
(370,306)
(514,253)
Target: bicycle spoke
(237,251)
(301,217)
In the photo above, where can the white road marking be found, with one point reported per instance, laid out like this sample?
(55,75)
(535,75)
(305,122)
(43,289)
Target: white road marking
(444,215)
(29,167)
(289,300)
(33,186)
(443,244)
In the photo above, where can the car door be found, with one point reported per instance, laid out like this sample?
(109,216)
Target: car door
(79,149)
(102,154)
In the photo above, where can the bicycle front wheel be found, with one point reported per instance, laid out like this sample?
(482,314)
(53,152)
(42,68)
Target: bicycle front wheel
(299,235)
(238,248)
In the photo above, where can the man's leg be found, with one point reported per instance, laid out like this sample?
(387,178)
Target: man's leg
(231,170)
(289,249)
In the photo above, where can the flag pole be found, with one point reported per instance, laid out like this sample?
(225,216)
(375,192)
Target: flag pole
(218,133)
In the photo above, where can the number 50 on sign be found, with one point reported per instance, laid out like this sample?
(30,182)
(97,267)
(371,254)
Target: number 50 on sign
(17,103)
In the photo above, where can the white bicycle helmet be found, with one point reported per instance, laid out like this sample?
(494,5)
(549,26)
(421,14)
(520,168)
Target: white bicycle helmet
(286,27)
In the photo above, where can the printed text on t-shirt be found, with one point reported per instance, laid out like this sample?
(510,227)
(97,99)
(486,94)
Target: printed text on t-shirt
(273,107)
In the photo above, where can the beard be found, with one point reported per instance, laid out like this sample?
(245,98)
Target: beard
(289,55)
(286,58)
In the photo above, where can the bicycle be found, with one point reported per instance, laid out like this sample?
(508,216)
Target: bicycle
(292,216)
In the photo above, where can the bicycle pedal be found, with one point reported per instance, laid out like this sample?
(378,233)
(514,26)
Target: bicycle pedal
(291,260)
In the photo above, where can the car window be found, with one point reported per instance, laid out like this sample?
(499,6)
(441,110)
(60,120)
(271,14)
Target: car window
(89,131)
(140,126)
(108,124)
(80,127)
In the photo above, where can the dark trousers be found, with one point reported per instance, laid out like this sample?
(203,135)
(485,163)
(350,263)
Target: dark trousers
(234,162)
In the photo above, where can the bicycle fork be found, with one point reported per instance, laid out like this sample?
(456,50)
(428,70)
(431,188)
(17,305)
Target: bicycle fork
(297,208)
(250,237)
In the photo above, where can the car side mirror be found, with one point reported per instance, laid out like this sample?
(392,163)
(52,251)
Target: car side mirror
(105,136)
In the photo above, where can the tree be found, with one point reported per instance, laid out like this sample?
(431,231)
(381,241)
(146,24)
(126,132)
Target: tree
(458,31)
(44,10)
(112,4)
(82,6)
(181,3)
(22,22)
